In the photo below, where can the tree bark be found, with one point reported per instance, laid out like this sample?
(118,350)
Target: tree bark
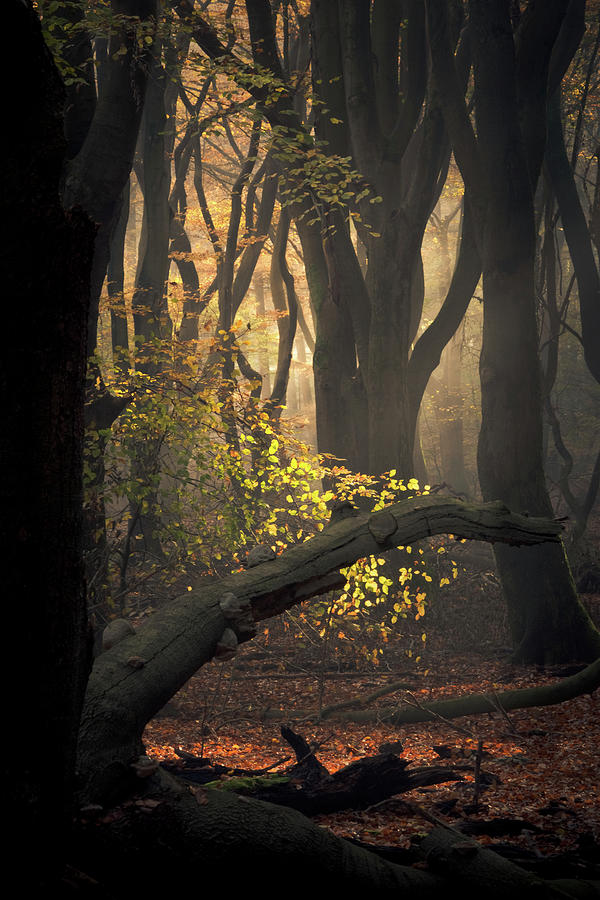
(149,301)
(42,372)
(482,872)
(162,849)
(285,302)
(159,843)
(115,285)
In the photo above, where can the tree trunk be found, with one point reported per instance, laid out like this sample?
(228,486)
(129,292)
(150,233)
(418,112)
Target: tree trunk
(42,373)
(115,285)
(334,357)
(548,623)
(167,848)
(95,178)
(149,300)
(500,168)
(285,303)
(577,235)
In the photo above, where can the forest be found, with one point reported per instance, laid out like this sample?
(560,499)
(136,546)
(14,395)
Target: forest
(301,457)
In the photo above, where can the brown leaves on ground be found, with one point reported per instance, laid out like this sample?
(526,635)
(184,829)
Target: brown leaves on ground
(538,765)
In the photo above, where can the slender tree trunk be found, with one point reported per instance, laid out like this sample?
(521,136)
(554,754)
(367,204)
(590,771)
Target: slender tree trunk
(285,302)
(577,235)
(149,300)
(449,396)
(450,400)
(150,311)
(115,282)
(265,366)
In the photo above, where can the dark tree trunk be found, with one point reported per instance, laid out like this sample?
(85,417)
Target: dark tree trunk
(500,169)
(577,235)
(96,177)
(42,371)
(150,311)
(334,357)
(285,302)
(149,300)
(548,622)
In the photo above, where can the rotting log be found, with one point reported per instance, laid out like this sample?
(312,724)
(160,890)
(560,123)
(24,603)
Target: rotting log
(311,789)
(131,682)
(357,786)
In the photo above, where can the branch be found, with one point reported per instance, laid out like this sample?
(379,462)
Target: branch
(354,27)
(455,110)
(428,349)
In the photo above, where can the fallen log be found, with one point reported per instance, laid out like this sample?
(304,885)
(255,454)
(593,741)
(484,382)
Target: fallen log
(585,681)
(166,840)
(470,868)
(311,789)
(357,786)
(132,681)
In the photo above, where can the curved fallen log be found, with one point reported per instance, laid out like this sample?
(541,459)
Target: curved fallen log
(584,682)
(132,681)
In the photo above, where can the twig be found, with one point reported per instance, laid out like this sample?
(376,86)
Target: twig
(496,701)
(418,810)
(477,789)
(471,734)
(418,705)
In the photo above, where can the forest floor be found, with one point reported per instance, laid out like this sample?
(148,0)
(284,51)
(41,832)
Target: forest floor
(541,785)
